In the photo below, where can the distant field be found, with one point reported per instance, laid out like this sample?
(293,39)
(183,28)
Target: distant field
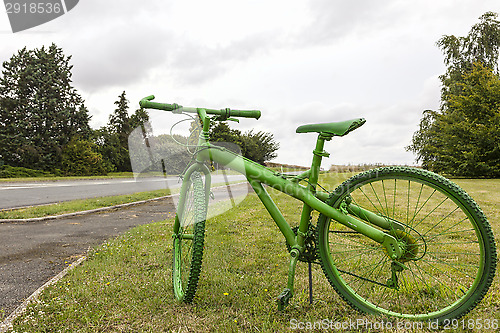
(125,285)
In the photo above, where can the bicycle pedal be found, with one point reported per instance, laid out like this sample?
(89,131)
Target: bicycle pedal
(284,299)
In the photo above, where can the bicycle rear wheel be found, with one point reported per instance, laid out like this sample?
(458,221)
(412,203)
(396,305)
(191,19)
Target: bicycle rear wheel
(189,238)
(449,254)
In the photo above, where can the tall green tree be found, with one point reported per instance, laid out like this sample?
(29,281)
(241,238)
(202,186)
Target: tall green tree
(113,138)
(481,45)
(463,137)
(119,121)
(40,110)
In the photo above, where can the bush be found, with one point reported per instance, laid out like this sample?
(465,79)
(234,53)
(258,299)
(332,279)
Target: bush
(7,171)
(80,159)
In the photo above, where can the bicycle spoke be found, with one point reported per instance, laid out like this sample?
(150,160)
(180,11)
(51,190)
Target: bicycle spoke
(461,271)
(381,213)
(421,207)
(450,233)
(365,278)
(416,205)
(454,253)
(394,196)
(421,277)
(428,214)
(444,218)
(440,282)
(376,196)
(345,259)
(454,243)
(385,197)
(456,224)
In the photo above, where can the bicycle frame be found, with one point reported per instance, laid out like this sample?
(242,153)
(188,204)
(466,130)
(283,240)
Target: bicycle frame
(257,175)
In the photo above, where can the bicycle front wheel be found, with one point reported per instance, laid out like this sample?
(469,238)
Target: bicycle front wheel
(189,238)
(449,255)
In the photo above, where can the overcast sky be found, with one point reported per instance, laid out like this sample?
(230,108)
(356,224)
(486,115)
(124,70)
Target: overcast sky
(297,61)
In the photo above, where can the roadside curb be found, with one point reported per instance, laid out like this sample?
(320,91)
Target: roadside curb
(98,210)
(7,323)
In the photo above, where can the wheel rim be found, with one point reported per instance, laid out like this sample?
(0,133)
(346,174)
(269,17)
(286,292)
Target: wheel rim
(443,258)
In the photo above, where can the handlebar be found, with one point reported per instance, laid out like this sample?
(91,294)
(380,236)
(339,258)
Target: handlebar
(176,108)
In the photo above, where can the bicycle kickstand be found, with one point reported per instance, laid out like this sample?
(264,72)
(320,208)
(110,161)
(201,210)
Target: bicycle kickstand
(284,298)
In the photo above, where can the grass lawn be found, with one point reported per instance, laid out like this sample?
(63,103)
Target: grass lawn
(125,285)
(79,205)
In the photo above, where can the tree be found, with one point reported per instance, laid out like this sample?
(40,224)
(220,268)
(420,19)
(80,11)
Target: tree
(40,111)
(221,132)
(11,139)
(462,138)
(139,118)
(112,139)
(119,121)
(476,126)
(118,129)
(258,147)
(481,45)
(108,145)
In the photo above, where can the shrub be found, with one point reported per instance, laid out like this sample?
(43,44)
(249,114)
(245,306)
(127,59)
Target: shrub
(7,171)
(80,159)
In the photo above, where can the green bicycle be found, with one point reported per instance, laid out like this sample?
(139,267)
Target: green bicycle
(393,241)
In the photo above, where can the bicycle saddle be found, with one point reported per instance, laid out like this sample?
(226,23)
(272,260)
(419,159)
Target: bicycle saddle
(339,128)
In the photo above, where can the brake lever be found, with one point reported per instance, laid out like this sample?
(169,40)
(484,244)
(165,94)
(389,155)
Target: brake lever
(220,118)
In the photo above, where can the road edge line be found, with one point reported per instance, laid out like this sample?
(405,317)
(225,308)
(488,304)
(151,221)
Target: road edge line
(7,323)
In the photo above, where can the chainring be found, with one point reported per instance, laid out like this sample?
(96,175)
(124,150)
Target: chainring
(310,253)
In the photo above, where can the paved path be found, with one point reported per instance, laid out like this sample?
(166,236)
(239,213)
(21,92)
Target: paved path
(31,253)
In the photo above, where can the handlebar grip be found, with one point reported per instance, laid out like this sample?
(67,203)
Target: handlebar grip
(145,103)
(246,113)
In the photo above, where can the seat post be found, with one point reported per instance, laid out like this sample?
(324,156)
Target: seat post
(319,153)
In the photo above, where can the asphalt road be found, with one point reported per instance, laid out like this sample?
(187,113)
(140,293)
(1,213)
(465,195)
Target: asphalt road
(17,194)
(31,253)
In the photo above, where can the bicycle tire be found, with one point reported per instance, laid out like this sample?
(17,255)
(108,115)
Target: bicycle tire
(189,239)
(449,259)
